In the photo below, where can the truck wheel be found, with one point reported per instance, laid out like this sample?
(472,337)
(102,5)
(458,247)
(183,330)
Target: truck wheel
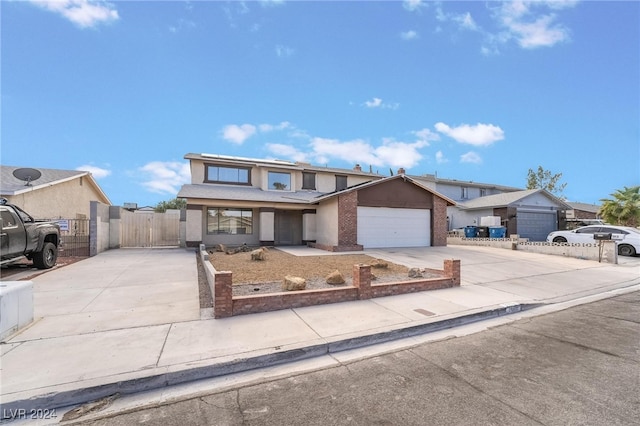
(46,258)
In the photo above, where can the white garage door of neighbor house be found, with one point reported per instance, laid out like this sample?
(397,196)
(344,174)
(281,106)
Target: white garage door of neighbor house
(387,227)
(536,226)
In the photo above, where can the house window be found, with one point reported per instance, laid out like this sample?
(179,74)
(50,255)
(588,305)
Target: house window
(229,221)
(280,181)
(341,183)
(308,180)
(483,192)
(221,174)
(465,193)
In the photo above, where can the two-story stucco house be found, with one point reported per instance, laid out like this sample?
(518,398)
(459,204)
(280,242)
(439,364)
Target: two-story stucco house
(236,201)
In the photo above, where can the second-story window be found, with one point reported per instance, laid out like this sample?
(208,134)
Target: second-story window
(465,193)
(223,174)
(280,181)
(341,183)
(308,180)
(483,192)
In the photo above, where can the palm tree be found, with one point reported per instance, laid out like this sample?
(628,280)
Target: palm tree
(623,208)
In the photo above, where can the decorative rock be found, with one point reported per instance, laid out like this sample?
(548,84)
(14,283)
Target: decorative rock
(415,273)
(378,263)
(221,247)
(335,278)
(259,254)
(291,283)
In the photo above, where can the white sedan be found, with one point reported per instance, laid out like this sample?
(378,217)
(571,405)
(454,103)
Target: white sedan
(626,238)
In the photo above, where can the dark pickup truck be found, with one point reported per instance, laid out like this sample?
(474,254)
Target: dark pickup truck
(22,236)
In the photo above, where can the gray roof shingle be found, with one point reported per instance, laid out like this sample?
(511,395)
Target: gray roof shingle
(10,185)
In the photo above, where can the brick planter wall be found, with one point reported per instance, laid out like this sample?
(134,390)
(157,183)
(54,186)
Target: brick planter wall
(225,305)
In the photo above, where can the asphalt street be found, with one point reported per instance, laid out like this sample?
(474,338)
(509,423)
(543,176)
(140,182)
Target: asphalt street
(576,366)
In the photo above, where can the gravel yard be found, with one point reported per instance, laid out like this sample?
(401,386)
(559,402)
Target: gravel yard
(256,277)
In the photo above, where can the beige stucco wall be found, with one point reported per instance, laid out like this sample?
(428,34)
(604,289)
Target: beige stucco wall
(267,226)
(66,200)
(309,227)
(195,225)
(325,182)
(327,223)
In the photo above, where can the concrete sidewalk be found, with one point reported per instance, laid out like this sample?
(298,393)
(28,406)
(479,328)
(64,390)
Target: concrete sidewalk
(129,320)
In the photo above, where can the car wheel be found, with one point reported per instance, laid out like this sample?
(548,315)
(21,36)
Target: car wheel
(46,258)
(626,250)
(559,240)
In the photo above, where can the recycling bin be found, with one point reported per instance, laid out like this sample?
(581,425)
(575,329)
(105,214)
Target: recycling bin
(470,231)
(497,231)
(483,232)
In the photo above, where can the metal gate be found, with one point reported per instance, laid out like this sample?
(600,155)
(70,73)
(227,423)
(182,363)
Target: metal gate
(149,229)
(74,235)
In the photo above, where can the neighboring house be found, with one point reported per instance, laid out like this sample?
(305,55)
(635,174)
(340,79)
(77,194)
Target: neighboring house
(461,191)
(56,194)
(583,211)
(532,213)
(238,201)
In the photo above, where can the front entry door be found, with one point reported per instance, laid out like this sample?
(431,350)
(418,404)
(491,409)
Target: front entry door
(288,224)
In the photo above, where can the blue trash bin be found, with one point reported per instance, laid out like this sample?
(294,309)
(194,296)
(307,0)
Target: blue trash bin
(470,231)
(497,231)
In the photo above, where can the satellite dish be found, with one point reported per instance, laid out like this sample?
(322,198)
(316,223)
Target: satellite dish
(27,174)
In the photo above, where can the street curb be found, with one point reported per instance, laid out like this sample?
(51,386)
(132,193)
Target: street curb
(65,398)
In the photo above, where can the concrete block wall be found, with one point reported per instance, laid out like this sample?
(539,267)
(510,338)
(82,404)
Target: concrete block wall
(16,306)
(586,251)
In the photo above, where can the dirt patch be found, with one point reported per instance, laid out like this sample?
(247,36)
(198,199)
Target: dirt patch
(257,277)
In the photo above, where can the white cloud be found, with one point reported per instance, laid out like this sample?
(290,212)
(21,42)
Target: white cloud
(287,151)
(97,172)
(374,103)
(271,3)
(478,135)
(238,134)
(183,24)
(270,127)
(409,35)
(165,177)
(523,22)
(391,153)
(284,51)
(471,157)
(377,103)
(413,5)
(466,21)
(440,158)
(463,20)
(426,136)
(83,13)
(539,33)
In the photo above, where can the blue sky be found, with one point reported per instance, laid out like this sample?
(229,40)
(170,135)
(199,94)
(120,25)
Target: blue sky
(479,91)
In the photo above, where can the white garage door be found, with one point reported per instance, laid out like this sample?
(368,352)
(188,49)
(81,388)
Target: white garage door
(536,226)
(387,227)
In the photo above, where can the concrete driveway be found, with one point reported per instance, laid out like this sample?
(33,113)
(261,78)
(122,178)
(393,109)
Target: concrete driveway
(529,276)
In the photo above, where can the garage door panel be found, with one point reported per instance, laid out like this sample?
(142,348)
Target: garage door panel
(536,226)
(389,227)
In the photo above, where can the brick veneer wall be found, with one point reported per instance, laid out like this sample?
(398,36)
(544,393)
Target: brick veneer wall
(348,219)
(439,222)
(225,305)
